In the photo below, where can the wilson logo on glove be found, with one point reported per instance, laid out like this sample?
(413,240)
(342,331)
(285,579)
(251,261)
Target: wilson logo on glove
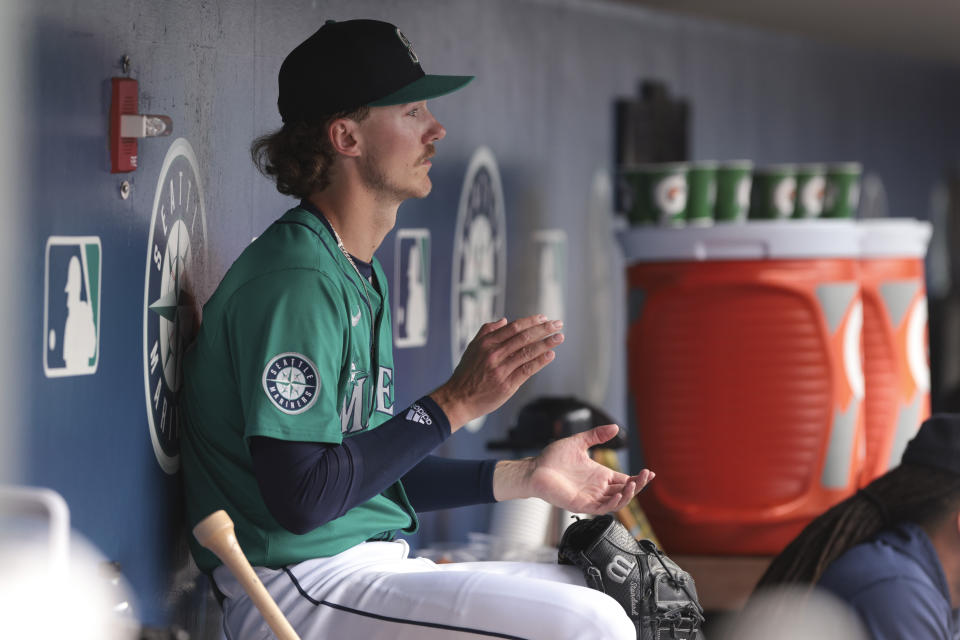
(619,569)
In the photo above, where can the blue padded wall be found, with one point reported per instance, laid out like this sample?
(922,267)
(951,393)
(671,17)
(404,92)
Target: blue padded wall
(548,74)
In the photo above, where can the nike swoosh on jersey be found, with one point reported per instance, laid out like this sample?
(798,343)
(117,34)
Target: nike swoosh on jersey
(355,318)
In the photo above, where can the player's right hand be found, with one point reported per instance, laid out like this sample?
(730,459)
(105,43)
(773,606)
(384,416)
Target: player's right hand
(497,361)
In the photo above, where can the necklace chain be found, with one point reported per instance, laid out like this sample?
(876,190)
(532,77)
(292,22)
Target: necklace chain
(346,254)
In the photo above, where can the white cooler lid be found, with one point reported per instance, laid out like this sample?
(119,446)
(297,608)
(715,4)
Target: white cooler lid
(895,238)
(752,240)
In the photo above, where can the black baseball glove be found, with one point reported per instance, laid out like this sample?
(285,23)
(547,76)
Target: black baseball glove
(659,596)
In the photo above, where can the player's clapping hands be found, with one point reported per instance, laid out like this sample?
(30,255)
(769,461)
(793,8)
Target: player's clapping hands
(566,476)
(497,361)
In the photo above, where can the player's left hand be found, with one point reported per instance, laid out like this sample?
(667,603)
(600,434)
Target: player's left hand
(566,476)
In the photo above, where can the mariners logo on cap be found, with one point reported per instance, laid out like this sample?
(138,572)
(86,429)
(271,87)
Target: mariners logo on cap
(409,46)
(290,381)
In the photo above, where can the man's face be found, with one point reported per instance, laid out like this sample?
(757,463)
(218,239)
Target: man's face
(397,147)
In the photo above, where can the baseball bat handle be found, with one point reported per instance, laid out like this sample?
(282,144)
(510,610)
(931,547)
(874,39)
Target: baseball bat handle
(215,532)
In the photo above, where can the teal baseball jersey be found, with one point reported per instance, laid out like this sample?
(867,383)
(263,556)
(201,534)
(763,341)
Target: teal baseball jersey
(294,345)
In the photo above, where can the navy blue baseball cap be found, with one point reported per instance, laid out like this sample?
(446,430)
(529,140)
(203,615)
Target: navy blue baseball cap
(937,444)
(355,63)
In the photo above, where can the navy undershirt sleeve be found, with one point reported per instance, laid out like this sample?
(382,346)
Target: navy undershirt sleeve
(444,483)
(307,484)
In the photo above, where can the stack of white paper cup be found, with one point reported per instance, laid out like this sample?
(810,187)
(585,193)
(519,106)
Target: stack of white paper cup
(519,526)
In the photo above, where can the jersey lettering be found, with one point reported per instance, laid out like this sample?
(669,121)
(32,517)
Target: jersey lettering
(385,391)
(351,414)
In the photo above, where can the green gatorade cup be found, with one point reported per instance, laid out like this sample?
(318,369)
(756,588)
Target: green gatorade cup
(701,193)
(842,196)
(733,190)
(774,190)
(811,186)
(659,193)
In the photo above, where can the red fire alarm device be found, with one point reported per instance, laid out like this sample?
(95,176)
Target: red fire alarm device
(126,125)
(123,151)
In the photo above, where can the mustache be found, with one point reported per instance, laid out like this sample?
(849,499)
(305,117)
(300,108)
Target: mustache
(430,152)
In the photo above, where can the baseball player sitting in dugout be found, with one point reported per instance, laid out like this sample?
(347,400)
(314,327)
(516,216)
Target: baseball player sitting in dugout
(892,550)
(288,393)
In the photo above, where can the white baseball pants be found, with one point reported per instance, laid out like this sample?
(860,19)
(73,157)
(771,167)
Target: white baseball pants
(375,591)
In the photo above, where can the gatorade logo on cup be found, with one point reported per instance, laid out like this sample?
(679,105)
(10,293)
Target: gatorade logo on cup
(743,192)
(783,197)
(812,195)
(671,195)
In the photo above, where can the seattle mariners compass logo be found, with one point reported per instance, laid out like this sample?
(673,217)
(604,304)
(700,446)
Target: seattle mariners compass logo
(176,248)
(291,383)
(479,256)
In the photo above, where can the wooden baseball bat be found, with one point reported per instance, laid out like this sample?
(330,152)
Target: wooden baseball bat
(215,532)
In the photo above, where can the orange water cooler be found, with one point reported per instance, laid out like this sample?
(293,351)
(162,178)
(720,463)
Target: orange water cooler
(745,378)
(896,364)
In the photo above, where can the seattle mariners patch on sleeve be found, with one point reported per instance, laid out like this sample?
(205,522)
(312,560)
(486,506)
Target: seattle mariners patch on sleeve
(290,381)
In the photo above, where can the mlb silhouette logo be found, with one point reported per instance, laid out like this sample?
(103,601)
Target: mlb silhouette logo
(71,308)
(411,287)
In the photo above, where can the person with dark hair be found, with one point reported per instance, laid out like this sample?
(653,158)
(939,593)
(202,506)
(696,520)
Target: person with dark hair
(892,550)
(288,393)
